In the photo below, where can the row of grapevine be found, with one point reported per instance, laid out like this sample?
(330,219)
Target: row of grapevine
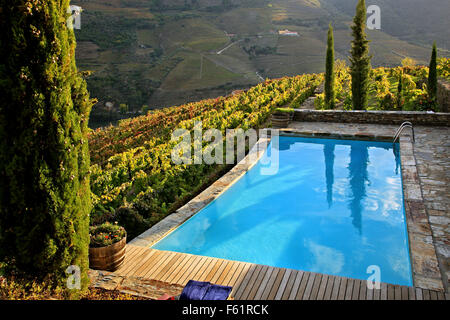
(132,167)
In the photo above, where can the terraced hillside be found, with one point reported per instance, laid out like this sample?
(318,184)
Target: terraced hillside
(167,52)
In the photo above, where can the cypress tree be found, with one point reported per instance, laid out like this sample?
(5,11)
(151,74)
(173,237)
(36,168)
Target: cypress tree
(399,91)
(329,71)
(360,59)
(44,158)
(432,77)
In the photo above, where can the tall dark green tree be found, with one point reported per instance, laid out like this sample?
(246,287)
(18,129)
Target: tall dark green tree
(400,91)
(45,196)
(360,59)
(329,71)
(432,77)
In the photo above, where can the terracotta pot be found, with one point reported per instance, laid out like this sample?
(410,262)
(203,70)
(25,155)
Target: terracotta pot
(109,258)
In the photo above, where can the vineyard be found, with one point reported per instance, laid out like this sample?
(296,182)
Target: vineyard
(133,179)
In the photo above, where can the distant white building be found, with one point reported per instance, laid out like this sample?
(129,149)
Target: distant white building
(288,33)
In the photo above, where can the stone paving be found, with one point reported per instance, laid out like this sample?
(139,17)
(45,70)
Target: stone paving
(432,152)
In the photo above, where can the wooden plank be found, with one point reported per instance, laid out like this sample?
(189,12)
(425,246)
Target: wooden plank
(419,294)
(251,283)
(433,295)
(309,286)
(322,287)
(209,271)
(196,263)
(172,277)
(303,284)
(130,266)
(349,289)
(356,287)
(411,293)
(289,285)
(315,287)
(157,268)
(129,253)
(243,268)
(397,292)
(283,284)
(390,292)
(377,293)
(276,284)
(384,292)
(191,272)
(342,289)
(213,271)
(175,266)
(257,283)
(264,283)
(296,285)
(243,280)
(164,270)
(369,293)
(336,285)
(329,287)
(139,269)
(230,273)
(130,261)
(219,272)
(426,294)
(225,273)
(268,288)
(198,271)
(363,290)
(248,284)
(190,263)
(149,264)
(405,295)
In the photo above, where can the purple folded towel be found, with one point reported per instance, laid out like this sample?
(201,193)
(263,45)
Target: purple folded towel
(197,290)
(217,292)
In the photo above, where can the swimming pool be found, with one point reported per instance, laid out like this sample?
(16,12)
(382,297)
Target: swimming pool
(334,207)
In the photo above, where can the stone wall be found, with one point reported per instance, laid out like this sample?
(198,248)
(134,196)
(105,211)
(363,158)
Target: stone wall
(377,117)
(443,96)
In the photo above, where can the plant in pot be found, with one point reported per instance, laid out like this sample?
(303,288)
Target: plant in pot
(107,246)
(282,116)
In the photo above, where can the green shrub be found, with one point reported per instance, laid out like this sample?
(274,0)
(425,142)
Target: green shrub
(132,221)
(45,197)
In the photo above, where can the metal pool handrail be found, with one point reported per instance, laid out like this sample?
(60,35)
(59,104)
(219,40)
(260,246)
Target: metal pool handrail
(404,125)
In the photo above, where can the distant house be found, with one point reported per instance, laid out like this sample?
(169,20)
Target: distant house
(288,33)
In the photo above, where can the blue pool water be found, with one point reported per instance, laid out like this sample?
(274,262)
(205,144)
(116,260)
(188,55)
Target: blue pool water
(334,207)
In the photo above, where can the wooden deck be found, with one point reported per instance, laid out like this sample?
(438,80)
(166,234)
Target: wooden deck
(258,282)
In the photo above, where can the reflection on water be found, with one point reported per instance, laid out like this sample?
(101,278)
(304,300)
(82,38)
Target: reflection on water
(359,159)
(328,151)
(396,150)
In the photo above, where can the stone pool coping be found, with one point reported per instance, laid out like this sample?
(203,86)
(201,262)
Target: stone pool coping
(425,268)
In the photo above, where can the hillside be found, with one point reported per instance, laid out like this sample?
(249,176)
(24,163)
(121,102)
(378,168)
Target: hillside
(169,52)
(133,179)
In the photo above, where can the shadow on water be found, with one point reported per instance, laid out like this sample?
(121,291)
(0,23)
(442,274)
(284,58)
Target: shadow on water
(358,176)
